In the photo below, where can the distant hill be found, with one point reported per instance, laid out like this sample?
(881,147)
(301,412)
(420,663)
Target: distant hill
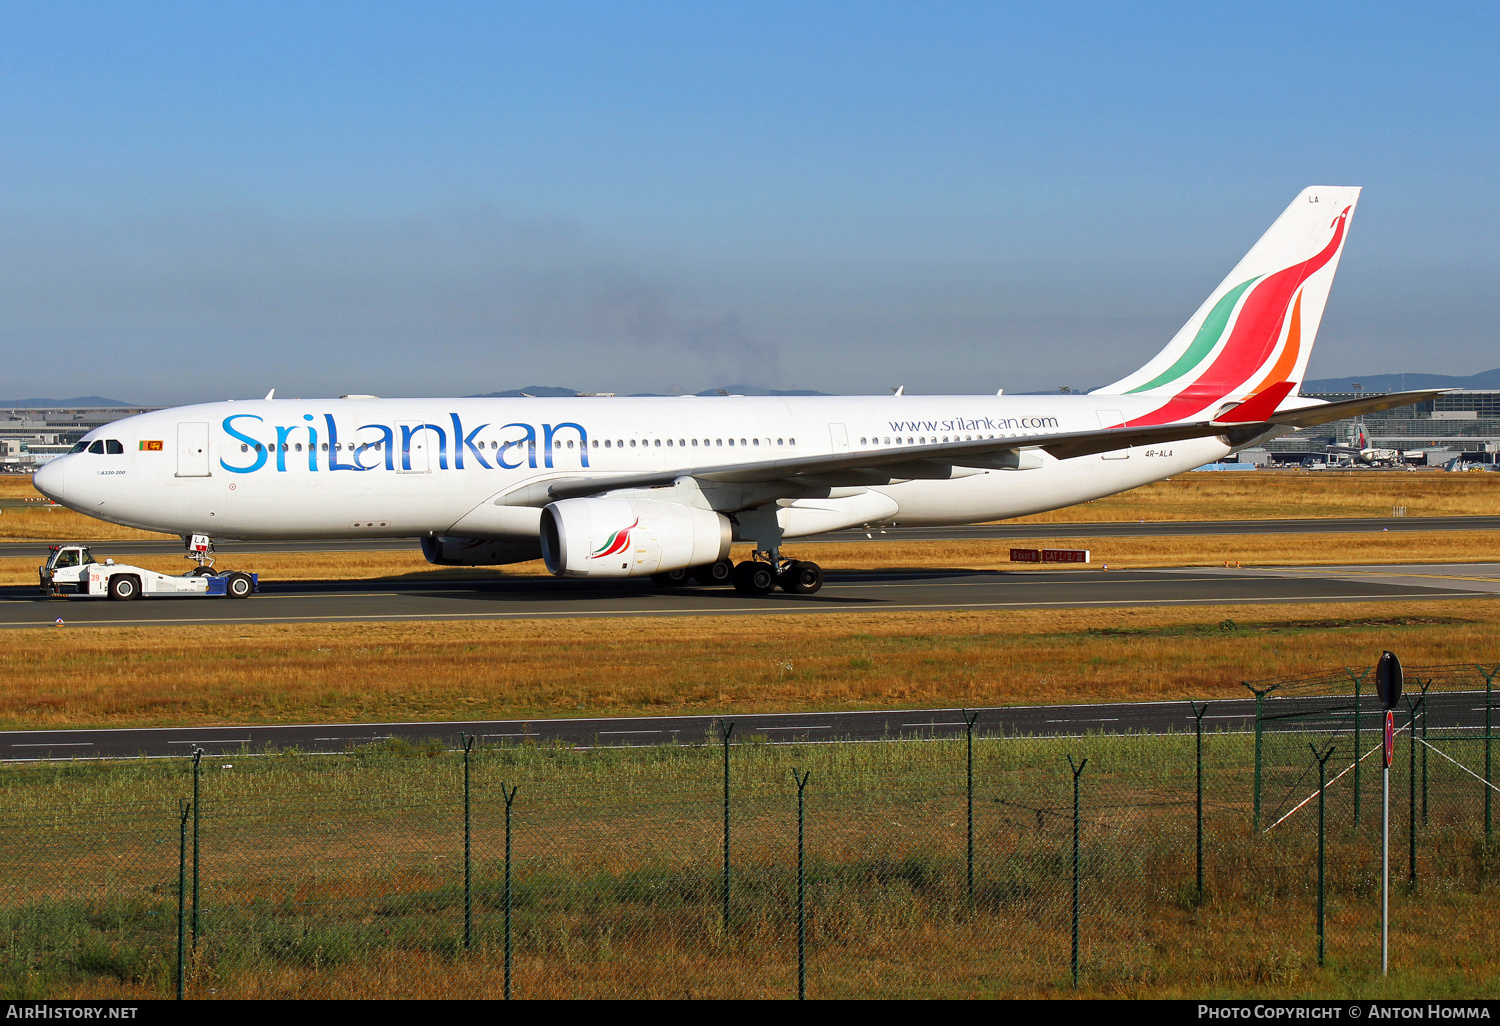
(1489,379)
(91,402)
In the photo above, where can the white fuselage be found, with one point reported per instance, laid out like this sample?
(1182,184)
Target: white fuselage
(350,468)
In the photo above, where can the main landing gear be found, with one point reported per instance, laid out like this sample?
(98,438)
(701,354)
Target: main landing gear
(761,574)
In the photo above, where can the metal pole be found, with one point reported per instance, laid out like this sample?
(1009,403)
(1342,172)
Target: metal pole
(184,810)
(969,722)
(468,740)
(1077,771)
(510,797)
(801,890)
(197,758)
(1198,729)
(1322,861)
(726,730)
(1385,862)
(1260,694)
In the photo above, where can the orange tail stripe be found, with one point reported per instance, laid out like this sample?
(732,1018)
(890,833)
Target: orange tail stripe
(1288,361)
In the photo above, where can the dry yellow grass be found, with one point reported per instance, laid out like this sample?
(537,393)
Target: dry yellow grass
(1256,495)
(1116,553)
(65,677)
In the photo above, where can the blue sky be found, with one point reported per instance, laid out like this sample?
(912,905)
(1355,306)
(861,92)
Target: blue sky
(199,201)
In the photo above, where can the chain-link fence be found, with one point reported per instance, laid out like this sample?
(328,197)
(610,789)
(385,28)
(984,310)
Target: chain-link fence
(974,866)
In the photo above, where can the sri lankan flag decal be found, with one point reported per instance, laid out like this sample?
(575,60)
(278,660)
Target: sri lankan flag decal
(151,446)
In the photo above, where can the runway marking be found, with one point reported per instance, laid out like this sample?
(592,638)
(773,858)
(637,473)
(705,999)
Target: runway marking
(1087,719)
(54,744)
(601,733)
(221,741)
(805,726)
(952,723)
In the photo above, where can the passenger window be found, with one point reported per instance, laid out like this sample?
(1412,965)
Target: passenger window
(791,441)
(606,443)
(325,446)
(695,443)
(632,443)
(299,446)
(669,443)
(570,443)
(731,442)
(718,441)
(780,442)
(244,448)
(757,441)
(97,448)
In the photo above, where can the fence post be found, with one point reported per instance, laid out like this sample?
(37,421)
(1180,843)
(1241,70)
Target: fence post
(726,730)
(1198,730)
(197,758)
(1322,861)
(510,797)
(1358,679)
(184,810)
(1077,771)
(1260,695)
(801,780)
(1489,733)
(468,740)
(969,722)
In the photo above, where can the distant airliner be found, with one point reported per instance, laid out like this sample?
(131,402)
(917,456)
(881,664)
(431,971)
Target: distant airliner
(622,487)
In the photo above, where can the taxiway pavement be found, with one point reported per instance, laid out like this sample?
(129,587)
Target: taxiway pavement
(532,597)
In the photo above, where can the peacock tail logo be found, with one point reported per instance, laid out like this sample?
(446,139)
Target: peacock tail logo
(1248,320)
(618,542)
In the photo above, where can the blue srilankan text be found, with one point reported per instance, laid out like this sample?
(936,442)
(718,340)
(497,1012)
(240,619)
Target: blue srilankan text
(376,446)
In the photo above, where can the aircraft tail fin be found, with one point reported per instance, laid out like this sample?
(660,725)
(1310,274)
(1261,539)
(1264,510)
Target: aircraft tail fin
(1256,330)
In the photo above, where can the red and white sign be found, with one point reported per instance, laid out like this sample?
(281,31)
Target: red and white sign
(1390,738)
(1049,555)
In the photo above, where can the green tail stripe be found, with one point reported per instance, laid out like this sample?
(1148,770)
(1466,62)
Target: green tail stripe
(1204,341)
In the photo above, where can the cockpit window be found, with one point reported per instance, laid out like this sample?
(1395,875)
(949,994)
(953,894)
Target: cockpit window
(113,446)
(98,446)
(79,447)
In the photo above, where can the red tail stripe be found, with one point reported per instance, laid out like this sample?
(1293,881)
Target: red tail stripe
(1253,337)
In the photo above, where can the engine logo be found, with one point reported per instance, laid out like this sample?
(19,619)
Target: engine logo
(618,542)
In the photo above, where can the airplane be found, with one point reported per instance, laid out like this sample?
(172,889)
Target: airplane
(607,487)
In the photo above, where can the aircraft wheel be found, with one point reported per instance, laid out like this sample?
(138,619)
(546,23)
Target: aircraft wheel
(201,571)
(124,587)
(801,578)
(754,578)
(670,578)
(239,585)
(721,572)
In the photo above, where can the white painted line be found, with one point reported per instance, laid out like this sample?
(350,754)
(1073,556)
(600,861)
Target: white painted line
(804,726)
(215,741)
(55,744)
(950,723)
(603,732)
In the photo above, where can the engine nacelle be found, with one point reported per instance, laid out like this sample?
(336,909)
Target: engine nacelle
(606,537)
(445,550)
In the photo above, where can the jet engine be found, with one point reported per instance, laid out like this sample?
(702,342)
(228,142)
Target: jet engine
(446,550)
(607,537)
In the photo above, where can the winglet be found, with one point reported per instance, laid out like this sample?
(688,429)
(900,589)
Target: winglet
(1258,407)
(271,394)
